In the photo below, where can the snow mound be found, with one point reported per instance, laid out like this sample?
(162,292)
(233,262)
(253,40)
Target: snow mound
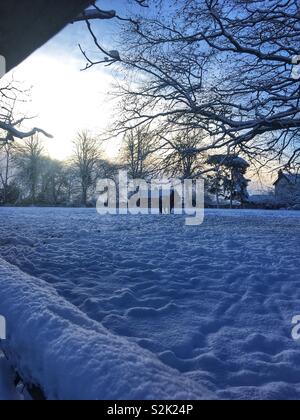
(7,389)
(214,302)
(57,347)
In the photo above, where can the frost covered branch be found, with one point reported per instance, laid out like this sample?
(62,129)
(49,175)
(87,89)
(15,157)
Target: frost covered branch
(11,94)
(224,66)
(96,14)
(21,134)
(110,56)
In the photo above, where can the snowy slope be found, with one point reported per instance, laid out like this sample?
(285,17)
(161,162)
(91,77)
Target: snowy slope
(213,302)
(56,346)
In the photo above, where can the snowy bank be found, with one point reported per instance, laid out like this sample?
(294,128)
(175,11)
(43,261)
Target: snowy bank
(57,347)
(7,390)
(214,302)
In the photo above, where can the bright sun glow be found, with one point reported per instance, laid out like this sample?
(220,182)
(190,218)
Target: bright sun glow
(66,99)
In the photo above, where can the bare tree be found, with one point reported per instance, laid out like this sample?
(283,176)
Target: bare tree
(138,153)
(29,165)
(7,171)
(224,66)
(55,184)
(17,161)
(11,94)
(87,154)
(181,156)
(228,179)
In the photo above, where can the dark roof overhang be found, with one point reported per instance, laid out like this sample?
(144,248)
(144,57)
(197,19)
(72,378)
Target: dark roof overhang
(25,25)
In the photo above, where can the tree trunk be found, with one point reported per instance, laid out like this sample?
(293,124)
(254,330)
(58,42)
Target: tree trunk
(84,196)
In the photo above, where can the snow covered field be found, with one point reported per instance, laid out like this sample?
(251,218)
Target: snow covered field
(142,307)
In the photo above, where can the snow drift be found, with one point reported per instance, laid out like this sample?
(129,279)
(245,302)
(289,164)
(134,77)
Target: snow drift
(214,302)
(54,345)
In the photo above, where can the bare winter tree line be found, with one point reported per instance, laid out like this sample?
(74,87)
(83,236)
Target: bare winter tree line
(29,177)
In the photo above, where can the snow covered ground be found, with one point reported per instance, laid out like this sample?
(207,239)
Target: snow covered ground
(142,307)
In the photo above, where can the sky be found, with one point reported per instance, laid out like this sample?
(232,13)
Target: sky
(64,98)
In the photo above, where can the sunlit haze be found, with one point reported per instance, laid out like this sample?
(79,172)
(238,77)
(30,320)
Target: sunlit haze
(64,98)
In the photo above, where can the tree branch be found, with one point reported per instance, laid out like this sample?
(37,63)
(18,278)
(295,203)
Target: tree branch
(22,135)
